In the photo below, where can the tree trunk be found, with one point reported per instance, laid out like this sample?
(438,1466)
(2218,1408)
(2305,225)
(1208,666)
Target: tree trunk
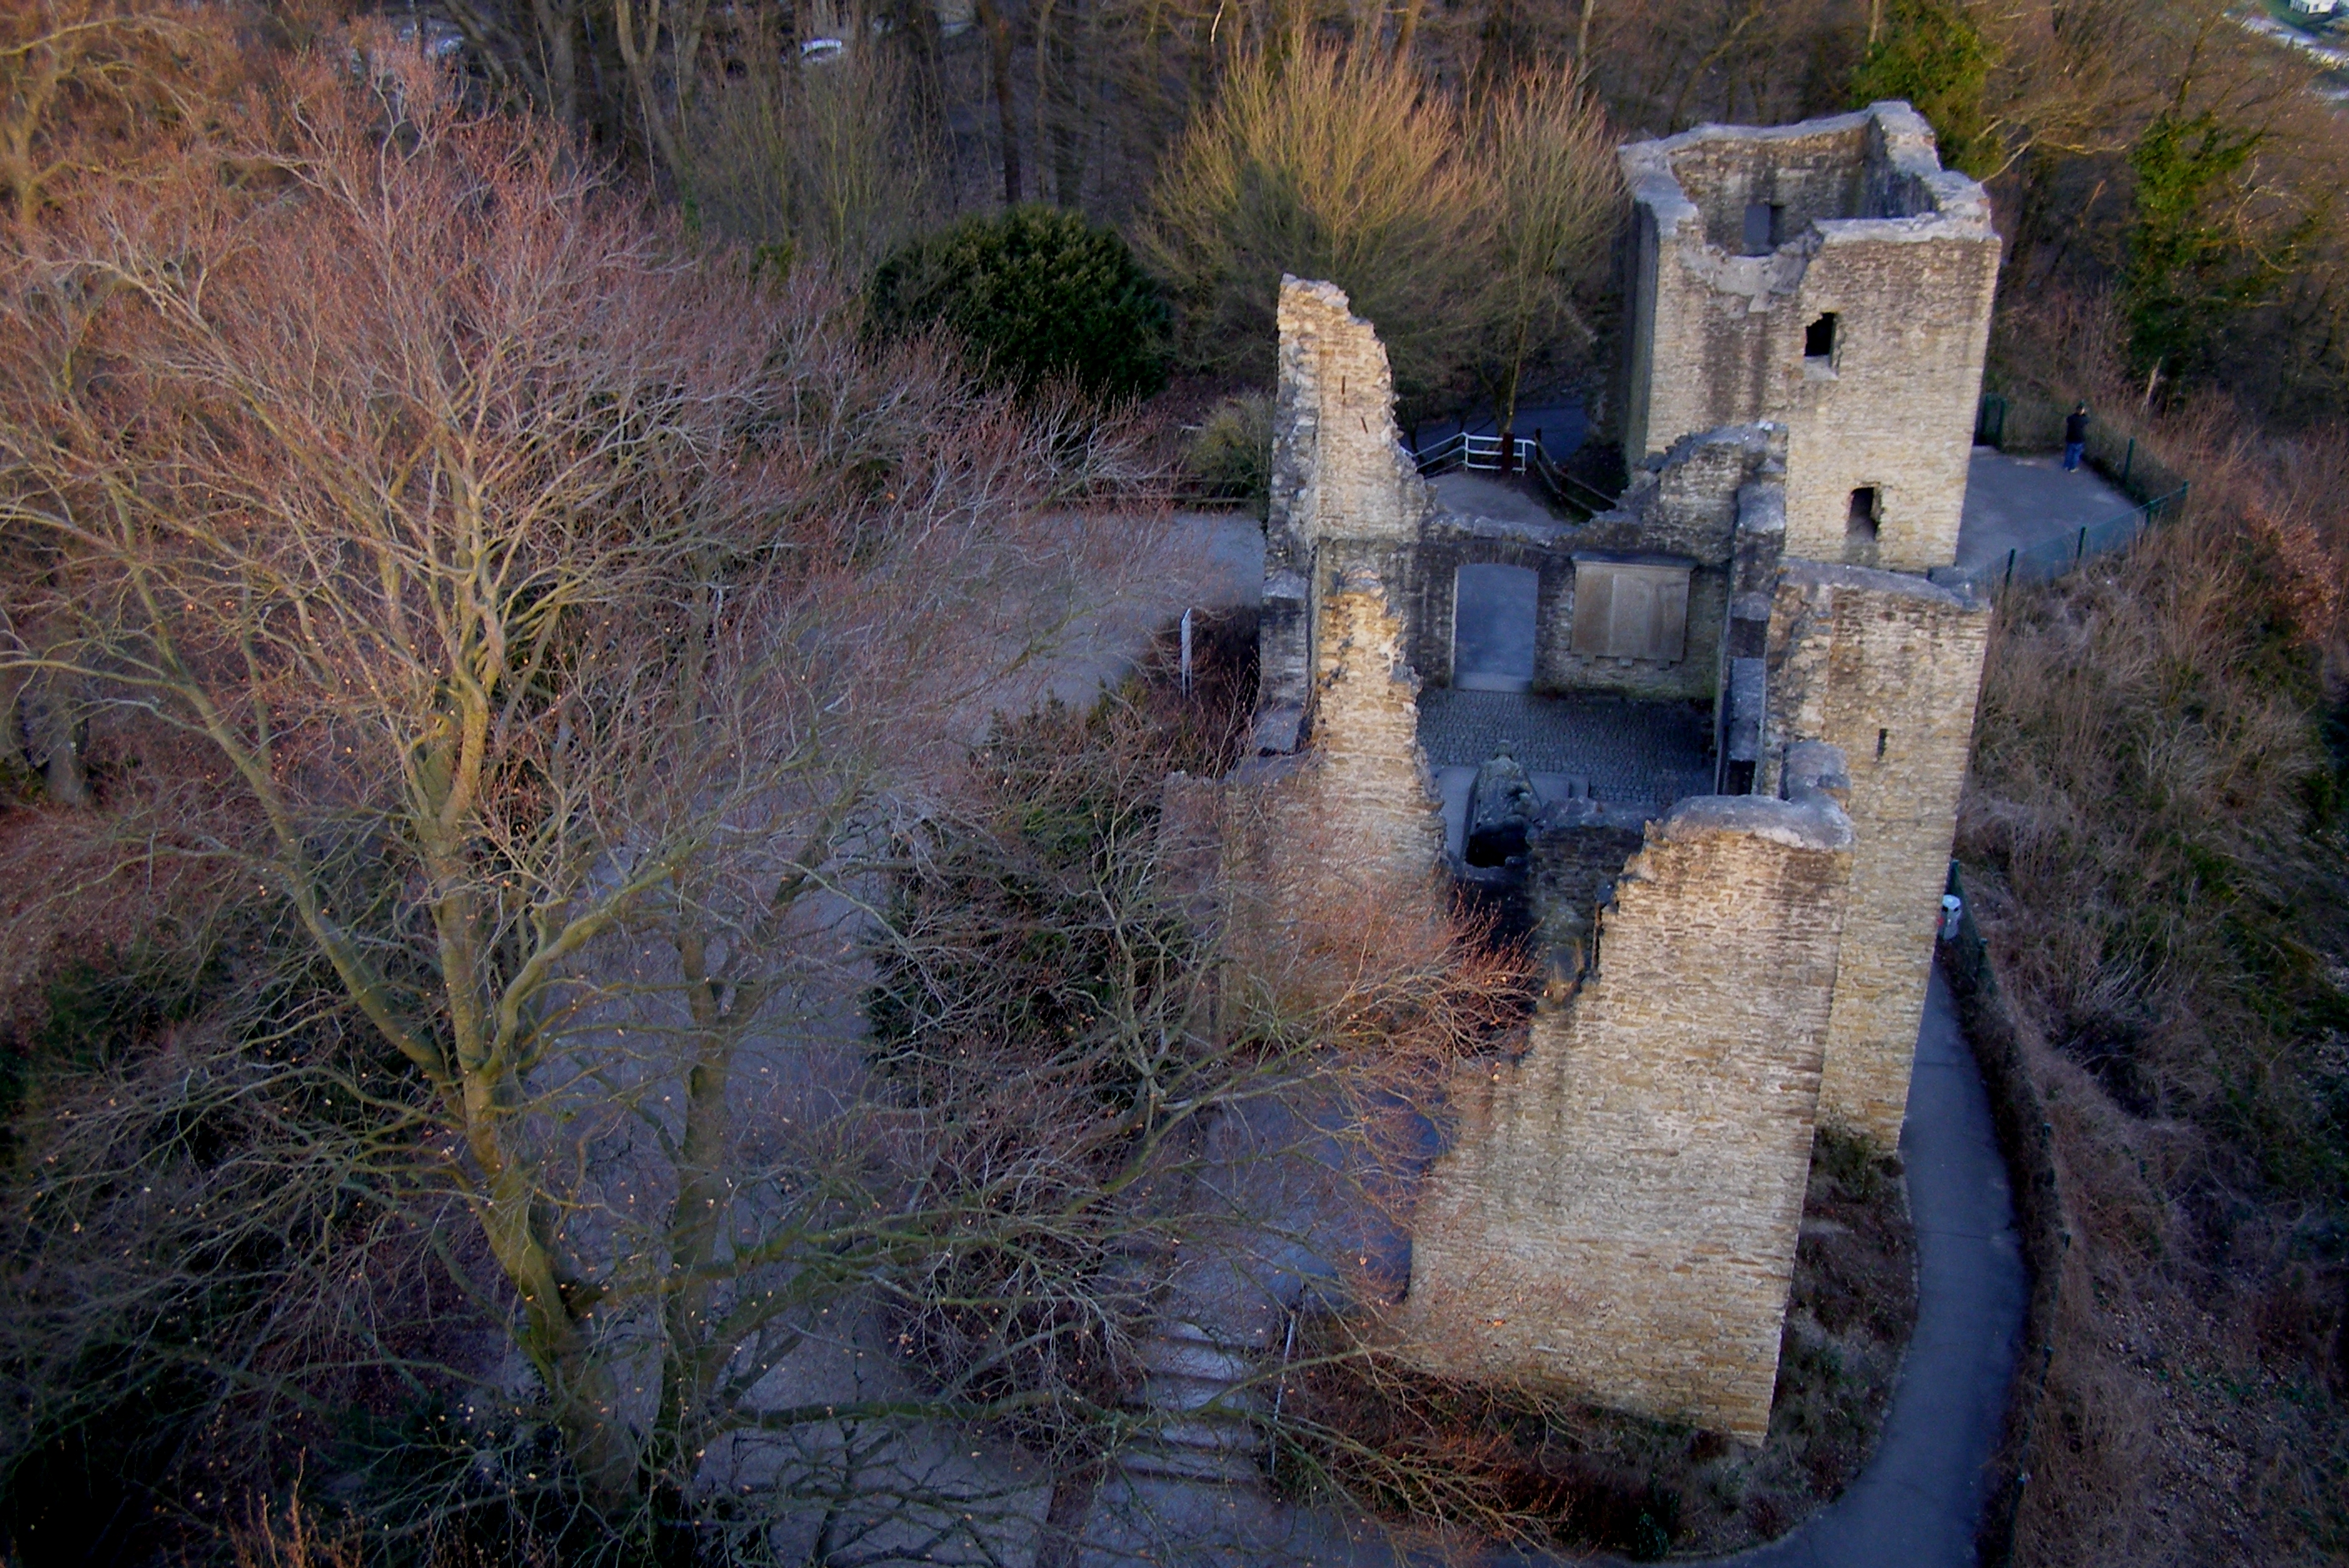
(641,55)
(1066,100)
(45,723)
(1407,30)
(998,27)
(558,28)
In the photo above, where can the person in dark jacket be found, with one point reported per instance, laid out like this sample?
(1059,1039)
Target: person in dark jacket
(2076,437)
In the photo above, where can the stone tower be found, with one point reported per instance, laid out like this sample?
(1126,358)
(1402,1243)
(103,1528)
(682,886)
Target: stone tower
(1834,279)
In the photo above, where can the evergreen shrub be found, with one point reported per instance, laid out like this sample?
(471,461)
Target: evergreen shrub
(1042,295)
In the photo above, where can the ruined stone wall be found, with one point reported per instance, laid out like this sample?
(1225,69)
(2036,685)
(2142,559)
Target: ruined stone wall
(1894,409)
(1740,714)
(1899,251)
(1808,171)
(1886,668)
(1338,473)
(1352,814)
(1375,793)
(1451,542)
(1684,508)
(1617,1215)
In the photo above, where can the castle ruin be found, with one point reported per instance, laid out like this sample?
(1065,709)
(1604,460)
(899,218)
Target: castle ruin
(1724,792)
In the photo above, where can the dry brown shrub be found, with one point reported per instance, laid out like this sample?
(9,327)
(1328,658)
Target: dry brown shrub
(2153,835)
(1458,1462)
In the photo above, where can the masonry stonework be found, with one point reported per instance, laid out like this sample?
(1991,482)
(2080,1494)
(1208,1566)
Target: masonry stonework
(1371,781)
(1886,668)
(1338,473)
(1615,1211)
(1832,278)
(1349,815)
(1617,1215)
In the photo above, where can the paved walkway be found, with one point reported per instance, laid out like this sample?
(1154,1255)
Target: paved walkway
(2014,503)
(1919,1502)
(1487,495)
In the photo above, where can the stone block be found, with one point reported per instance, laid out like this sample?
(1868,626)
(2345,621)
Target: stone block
(1856,317)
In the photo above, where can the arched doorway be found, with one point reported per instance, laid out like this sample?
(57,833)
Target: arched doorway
(1494,612)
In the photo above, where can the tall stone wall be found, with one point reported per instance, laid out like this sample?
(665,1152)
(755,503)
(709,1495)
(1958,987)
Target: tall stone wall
(1617,1215)
(1872,230)
(1375,792)
(1338,473)
(1886,668)
(1352,814)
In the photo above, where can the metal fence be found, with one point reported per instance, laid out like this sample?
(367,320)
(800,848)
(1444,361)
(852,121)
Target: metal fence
(2045,561)
(2026,422)
(1487,454)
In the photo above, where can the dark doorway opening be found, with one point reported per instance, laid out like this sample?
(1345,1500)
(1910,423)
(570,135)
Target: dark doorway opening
(1494,612)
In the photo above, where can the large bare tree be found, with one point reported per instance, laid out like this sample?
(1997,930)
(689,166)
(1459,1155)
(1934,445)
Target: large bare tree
(590,636)
(574,614)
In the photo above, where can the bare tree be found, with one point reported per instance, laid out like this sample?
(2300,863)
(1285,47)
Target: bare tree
(1330,162)
(827,155)
(1547,157)
(81,84)
(555,599)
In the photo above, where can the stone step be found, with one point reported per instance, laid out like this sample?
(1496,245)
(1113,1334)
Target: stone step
(1203,1450)
(1185,1396)
(1209,1435)
(1194,1359)
(1192,1465)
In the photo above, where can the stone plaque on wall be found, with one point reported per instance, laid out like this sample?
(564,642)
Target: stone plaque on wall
(1630,610)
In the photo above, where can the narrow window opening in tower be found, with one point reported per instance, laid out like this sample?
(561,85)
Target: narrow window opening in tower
(1819,337)
(1762,220)
(1865,514)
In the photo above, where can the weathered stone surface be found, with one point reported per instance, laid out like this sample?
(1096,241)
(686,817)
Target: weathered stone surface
(1376,796)
(1355,811)
(1683,509)
(1886,668)
(1338,473)
(1340,469)
(1868,227)
(1617,1214)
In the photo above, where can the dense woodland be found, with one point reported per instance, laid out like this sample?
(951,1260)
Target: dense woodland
(513,519)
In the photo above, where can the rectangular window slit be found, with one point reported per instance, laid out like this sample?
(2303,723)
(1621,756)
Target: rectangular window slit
(1866,511)
(1819,337)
